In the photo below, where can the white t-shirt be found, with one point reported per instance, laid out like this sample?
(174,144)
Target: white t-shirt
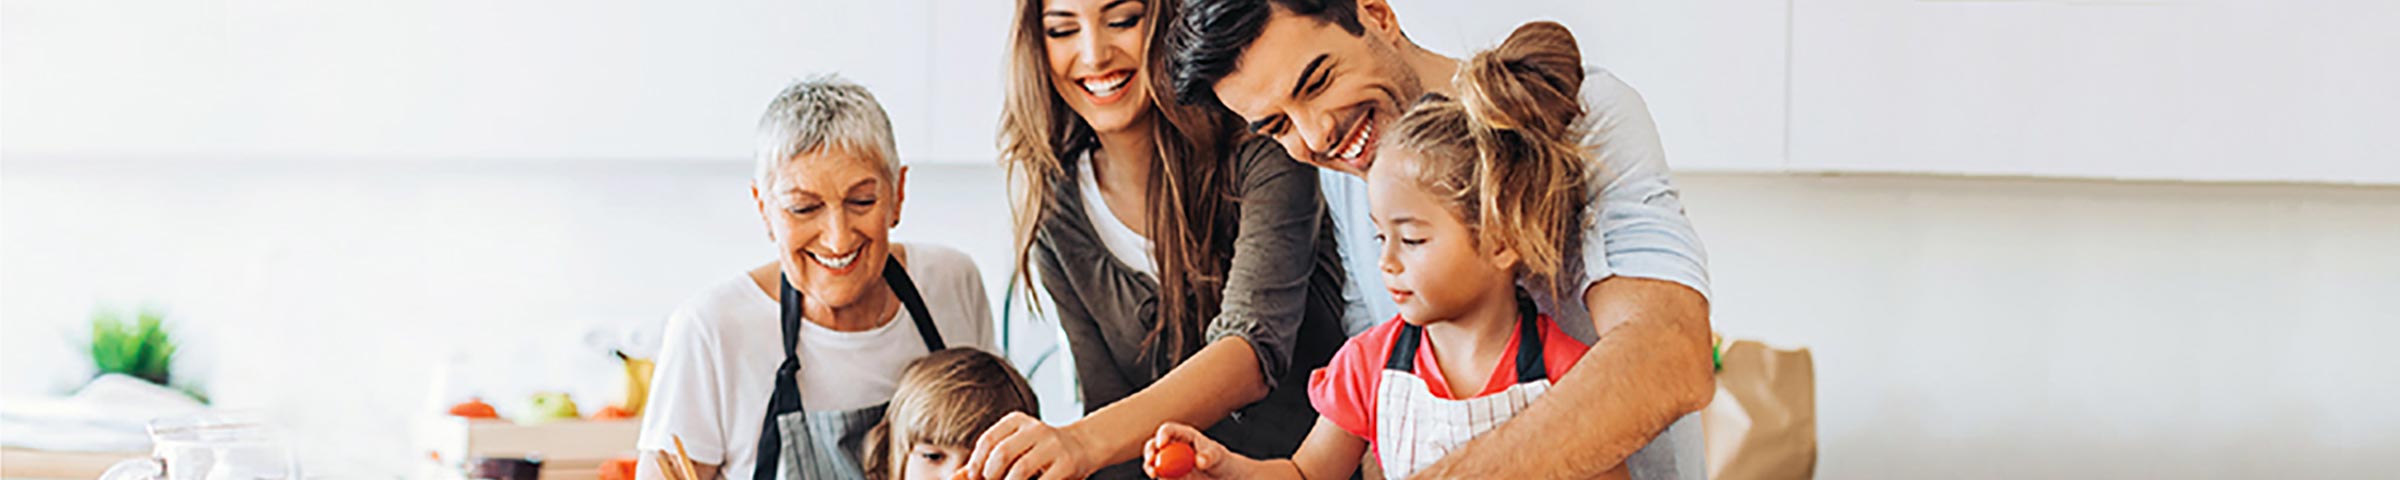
(716,369)
(1121,241)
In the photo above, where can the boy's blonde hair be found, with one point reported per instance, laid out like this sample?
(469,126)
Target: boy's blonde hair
(946,398)
(1507,156)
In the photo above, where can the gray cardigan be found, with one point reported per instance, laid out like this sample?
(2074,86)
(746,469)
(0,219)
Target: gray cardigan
(1282,294)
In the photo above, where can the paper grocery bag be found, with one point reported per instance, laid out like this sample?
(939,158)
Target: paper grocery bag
(1763,423)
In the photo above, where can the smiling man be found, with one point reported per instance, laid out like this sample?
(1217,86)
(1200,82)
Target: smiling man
(1324,77)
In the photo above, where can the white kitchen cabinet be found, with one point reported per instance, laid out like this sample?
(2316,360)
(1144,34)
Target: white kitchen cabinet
(1712,71)
(467,81)
(2215,90)
(884,46)
(2221,90)
(971,41)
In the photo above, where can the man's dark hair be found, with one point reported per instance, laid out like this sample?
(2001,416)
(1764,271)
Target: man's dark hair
(1212,34)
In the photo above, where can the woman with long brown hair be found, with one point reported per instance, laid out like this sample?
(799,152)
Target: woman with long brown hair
(1193,269)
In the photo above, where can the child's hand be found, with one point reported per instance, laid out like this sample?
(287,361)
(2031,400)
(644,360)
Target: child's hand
(1180,451)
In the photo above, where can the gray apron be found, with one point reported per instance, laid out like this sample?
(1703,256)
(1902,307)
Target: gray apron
(825,444)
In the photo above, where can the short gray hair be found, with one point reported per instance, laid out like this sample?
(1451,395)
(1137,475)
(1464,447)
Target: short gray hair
(821,112)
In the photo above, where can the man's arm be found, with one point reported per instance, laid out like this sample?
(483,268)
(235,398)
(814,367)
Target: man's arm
(1650,368)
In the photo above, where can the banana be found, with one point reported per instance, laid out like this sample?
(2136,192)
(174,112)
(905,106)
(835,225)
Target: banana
(637,382)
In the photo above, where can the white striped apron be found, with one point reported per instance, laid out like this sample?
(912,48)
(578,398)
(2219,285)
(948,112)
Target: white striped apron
(1414,428)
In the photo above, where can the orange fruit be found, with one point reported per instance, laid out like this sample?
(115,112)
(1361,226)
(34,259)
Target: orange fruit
(1173,460)
(474,408)
(612,413)
(618,469)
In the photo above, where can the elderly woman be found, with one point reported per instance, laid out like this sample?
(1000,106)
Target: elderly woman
(782,369)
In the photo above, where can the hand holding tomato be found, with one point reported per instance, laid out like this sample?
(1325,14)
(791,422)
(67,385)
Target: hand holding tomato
(1174,460)
(1179,451)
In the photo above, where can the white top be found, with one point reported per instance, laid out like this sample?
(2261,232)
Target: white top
(1121,241)
(716,368)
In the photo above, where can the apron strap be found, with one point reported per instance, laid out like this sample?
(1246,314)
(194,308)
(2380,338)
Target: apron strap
(787,387)
(1403,356)
(787,376)
(1530,366)
(897,277)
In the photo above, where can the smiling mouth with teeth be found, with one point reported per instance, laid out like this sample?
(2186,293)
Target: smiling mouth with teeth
(1361,139)
(1106,88)
(836,264)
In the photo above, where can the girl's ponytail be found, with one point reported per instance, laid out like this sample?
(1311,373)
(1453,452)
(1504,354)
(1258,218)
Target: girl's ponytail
(1522,102)
(1528,85)
(1508,155)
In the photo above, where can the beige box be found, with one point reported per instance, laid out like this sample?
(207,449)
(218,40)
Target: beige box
(569,449)
(27,463)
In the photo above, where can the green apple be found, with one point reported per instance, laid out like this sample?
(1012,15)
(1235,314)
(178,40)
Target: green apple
(552,406)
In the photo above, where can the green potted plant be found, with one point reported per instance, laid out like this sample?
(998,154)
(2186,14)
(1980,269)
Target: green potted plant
(141,348)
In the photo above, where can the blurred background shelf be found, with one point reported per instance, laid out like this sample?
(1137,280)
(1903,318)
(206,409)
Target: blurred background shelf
(571,449)
(30,464)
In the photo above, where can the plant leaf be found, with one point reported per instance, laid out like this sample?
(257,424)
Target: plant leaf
(142,348)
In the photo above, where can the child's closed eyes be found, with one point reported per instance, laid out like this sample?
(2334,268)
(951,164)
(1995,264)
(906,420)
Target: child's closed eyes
(1380,238)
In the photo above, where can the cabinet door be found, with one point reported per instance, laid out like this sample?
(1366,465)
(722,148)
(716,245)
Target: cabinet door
(2219,90)
(451,80)
(969,74)
(888,47)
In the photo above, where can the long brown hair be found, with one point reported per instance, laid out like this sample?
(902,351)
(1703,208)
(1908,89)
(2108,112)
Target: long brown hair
(946,398)
(1191,215)
(1508,155)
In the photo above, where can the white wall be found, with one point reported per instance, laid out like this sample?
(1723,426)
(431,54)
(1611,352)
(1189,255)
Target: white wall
(335,297)
(1963,328)
(2048,329)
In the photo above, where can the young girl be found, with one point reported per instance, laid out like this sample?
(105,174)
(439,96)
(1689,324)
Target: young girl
(1474,197)
(944,400)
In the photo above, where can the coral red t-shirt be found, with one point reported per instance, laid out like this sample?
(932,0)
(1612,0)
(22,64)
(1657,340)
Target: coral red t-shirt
(1344,391)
